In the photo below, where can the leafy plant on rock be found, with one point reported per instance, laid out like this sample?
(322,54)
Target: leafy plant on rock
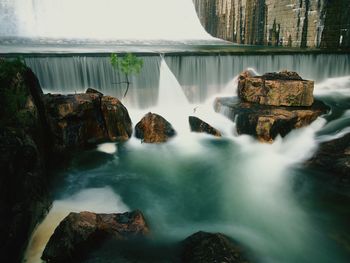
(128,65)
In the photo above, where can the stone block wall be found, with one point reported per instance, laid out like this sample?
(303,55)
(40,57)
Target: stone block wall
(295,23)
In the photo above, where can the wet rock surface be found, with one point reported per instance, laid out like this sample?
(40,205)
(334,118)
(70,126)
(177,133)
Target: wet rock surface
(81,233)
(79,120)
(24,151)
(197,125)
(153,128)
(333,157)
(266,122)
(285,88)
(203,247)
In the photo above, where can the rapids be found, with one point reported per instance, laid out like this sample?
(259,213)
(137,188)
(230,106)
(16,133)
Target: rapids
(259,194)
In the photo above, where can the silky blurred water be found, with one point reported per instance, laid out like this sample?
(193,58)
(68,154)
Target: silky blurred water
(259,194)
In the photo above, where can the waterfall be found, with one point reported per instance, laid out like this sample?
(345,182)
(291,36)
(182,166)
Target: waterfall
(101,19)
(64,74)
(199,76)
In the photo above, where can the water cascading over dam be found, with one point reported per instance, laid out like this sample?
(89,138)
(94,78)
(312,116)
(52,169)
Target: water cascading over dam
(199,76)
(258,194)
(104,19)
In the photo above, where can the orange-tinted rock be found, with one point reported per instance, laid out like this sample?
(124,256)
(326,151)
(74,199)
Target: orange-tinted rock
(197,125)
(79,120)
(266,122)
(75,120)
(80,233)
(285,88)
(117,119)
(153,128)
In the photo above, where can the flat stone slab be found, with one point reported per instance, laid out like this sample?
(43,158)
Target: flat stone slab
(285,88)
(266,122)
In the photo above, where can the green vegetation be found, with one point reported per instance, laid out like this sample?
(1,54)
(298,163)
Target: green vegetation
(129,64)
(13,93)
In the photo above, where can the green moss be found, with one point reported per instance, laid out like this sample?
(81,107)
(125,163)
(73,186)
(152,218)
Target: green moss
(13,93)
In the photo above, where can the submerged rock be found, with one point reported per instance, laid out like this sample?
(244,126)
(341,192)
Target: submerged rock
(197,125)
(153,128)
(80,233)
(334,157)
(266,122)
(285,88)
(203,247)
(78,120)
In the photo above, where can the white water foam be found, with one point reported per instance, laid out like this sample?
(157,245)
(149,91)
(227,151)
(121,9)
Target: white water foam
(109,148)
(339,86)
(102,19)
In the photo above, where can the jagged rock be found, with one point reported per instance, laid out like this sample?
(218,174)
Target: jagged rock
(24,151)
(266,122)
(197,125)
(80,233)
(117,119)
(153,128)
(79,120)
(276,89)
(203,247)
(334,157)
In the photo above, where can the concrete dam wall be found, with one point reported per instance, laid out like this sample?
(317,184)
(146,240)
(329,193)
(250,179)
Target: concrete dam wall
(294,23)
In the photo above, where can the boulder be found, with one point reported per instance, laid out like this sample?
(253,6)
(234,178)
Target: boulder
(285,88)
(197,125)
(334,158)
(203,247)
(266,122)
(24,151)
(80,120)
(153,128)
(117,119)
(80,233)
(75,120)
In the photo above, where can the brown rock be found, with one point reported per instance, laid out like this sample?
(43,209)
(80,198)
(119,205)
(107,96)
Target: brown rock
(117,119)
(79,120)
(276,89)
(80,233)
(153,128)
(75,120)
(266,122)
(203,247)
(197,125)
